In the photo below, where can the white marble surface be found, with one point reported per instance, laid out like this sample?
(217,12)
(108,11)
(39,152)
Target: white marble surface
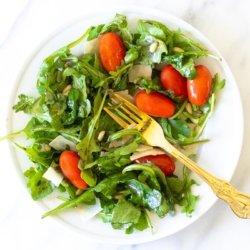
(24,23)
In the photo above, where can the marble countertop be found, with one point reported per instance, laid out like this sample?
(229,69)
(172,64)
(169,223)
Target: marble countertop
(25,23)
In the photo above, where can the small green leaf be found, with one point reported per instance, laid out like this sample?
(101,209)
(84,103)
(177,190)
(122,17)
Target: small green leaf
(25,104)
(125,214)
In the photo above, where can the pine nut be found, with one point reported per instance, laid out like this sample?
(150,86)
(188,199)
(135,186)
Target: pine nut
(177,49)
(189,108)
(153,47)
(66,90)
(101,135)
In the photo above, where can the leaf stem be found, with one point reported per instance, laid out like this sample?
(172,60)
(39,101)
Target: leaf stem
(149,222)
(138,167)
(180,110)
(207,118)
(11,135)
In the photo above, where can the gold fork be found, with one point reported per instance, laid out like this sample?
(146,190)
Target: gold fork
(153,134)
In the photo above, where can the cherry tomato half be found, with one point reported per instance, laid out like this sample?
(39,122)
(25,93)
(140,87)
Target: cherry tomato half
(112,51)
(164,162)
(155,104)
(200,87)
(171,79)
(68,162)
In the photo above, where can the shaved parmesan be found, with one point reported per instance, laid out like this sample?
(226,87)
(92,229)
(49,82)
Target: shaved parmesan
(190,149)
(154,151)
(92,47)
(142,147)
(115,144)
(140,71)
(125,139)
(160,66)
(124,94)
(53,176)
(132,126)
(87,212)
(103,153)
(60,143)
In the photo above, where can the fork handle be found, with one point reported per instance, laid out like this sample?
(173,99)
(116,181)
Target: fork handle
(238,201)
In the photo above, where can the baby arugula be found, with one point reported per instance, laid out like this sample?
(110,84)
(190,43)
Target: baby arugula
(72,91)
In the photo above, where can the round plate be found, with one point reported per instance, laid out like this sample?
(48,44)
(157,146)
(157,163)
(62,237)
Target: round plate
(219,156)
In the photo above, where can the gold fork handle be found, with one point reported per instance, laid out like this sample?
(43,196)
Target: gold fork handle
(238,201)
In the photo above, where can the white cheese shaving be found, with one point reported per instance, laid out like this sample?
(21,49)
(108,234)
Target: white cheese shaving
(140,71)
(160,66)
(132,126)
(126,139)
(124,94)
(87,212)
(60,143)
(143,147)
(115,144)
(92,47)
(53,176)
(154,151)
(103,153)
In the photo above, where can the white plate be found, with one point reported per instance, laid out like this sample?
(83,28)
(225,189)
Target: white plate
(219,156)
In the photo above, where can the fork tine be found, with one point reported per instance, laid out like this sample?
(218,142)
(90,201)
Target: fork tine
(116,118)
(129,113)
(122,114)
(133,107)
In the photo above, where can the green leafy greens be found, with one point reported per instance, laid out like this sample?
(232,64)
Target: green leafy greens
(72,92)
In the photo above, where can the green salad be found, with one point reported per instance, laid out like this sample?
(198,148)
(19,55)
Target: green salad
(80,151)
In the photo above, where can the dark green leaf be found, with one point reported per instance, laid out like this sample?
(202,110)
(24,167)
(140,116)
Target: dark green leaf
(25,104)
(39,186)
(125,214)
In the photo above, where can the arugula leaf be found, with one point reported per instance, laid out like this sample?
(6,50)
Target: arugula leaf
(94,77)
(142,223)
(188,200)
(112,162)
(142,195)
(87,175)
(95,31)
(69,117)
(88,144)
(25,104)
(161,27)
(37,154)
(117,23)
(79,82)
(131,55)
(150,85)
(125,214)
(179,126)
(87,197)
(108,185)
(39,186)
(163,209)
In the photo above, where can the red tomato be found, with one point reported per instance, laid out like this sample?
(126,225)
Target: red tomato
(164,162)
(171,79)
(68,162)
(200,87)
(112,51)
(155,104)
